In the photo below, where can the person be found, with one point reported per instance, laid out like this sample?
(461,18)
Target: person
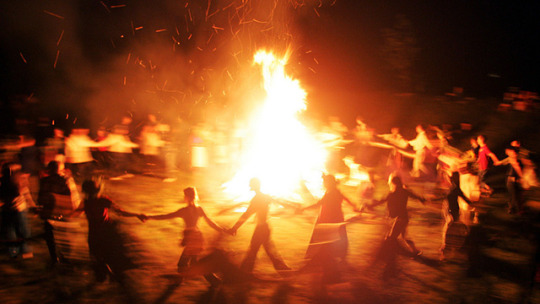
(397,209)
(529,178)
(421,146)
(16,200)
(105,244)
(484,154)
(101,154)
(53,146)
(150,145)
(50,187)
(513,180)
(193,241)
(451,210)
(78,155)
(259,206)
(331,212)
(395,161)
(120,148)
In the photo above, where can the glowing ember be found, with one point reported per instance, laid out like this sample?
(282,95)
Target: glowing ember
(280,151)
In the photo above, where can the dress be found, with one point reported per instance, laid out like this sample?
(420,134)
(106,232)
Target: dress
(330,212)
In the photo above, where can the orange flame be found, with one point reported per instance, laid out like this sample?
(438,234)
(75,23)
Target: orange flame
(281,152)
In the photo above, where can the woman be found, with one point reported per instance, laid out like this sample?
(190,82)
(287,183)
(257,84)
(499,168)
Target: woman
(193,241)
(331,212)
(104,242)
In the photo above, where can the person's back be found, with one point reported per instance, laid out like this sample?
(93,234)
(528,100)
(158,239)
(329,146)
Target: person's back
(191,215)
(331,211)
(397,203)
(97,211)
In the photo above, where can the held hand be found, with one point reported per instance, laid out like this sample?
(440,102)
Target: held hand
(142,217)
(231,231)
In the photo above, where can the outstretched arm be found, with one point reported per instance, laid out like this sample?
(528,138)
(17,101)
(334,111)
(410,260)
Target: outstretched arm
(125,213)
(210,222)
(243,218)
(166,216)
(416,196)
(350,203)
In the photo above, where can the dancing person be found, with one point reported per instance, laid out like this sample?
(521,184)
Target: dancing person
(395,161)
(120,148)
(50,187)
(331,212)
(421,146)
(451,210)
(259,206)
(15,200)
(150,146)
(484,153)
(105,244)
(513,180)
(193,241)
(78,155)
(397,209)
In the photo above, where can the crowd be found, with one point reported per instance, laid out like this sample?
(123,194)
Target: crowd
(48,179)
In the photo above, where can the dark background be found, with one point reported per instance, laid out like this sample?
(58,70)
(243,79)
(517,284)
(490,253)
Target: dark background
(185,59)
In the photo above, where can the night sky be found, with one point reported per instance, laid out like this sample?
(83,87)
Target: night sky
(179,56)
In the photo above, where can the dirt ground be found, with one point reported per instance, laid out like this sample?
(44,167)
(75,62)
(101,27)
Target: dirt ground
(505,268)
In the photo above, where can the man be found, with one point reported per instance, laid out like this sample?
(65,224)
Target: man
(483,163)
(259,205)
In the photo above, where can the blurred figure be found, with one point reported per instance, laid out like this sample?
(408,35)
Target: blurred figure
(397,209)
(120,148)
(421,145)
(331,212)
(529,175)
(78,156)
(53,187)
(151,144)
(101,154)
(16,200)
(193,241)
(484,153)
(395,158)
(259,206)
(451,210)
(105,244)
(513,180)
(53,146)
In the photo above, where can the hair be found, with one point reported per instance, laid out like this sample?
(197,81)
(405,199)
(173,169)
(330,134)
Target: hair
(90,187)
(52,167)
(396,180)
(512,148)
(255,183)
(329,180)
(190,194)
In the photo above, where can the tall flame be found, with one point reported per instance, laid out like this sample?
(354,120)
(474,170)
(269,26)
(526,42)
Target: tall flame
(281,152)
